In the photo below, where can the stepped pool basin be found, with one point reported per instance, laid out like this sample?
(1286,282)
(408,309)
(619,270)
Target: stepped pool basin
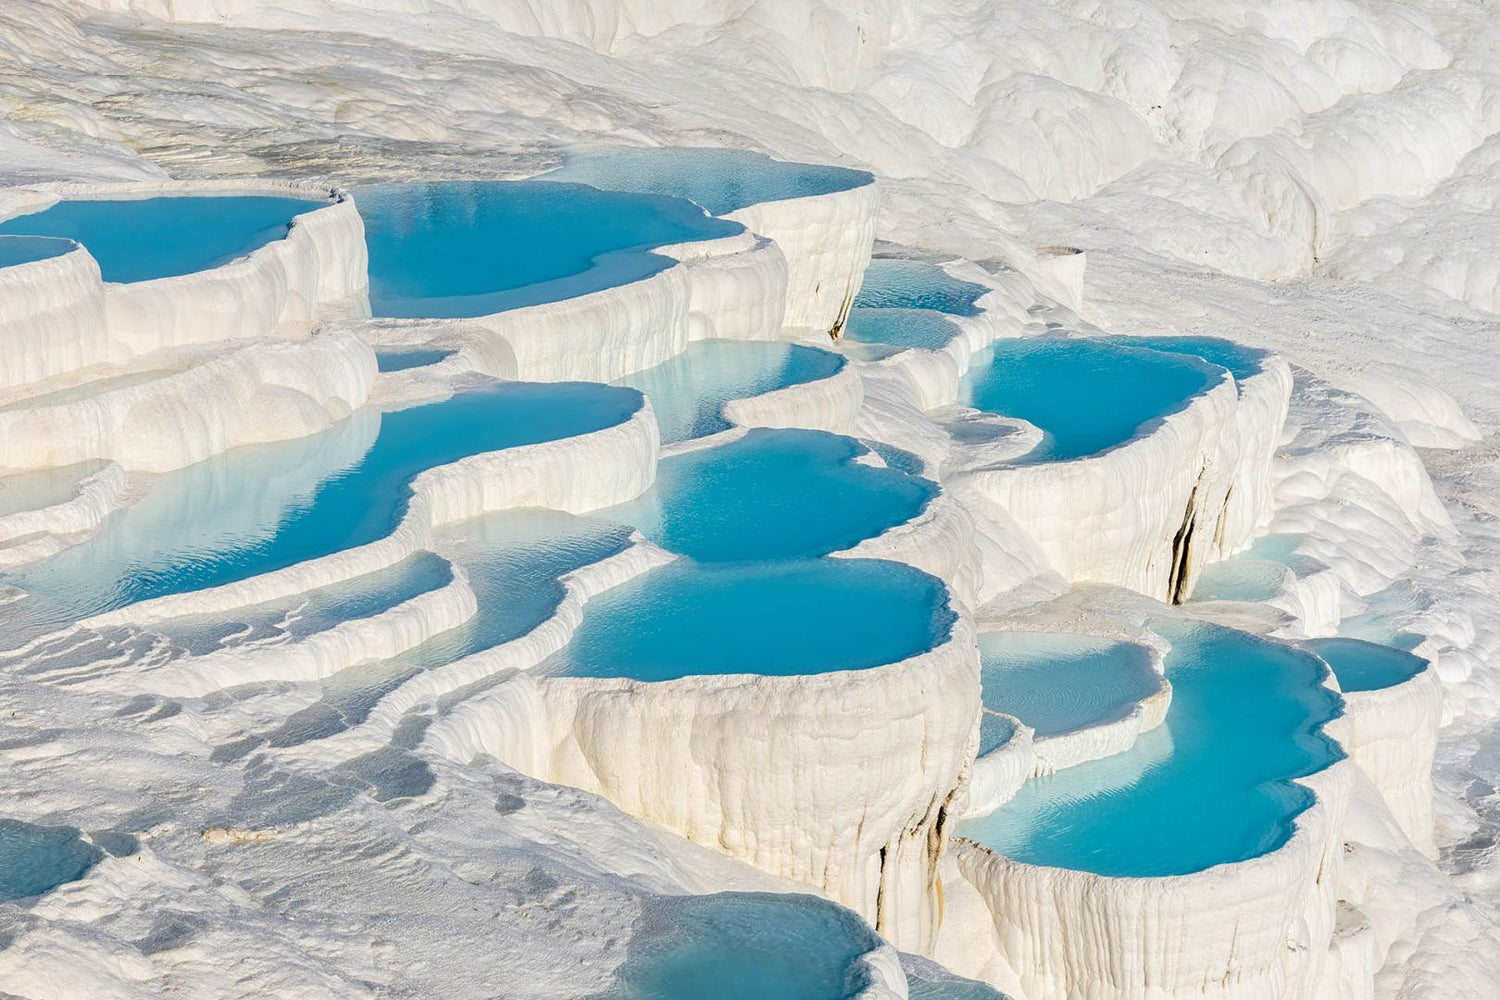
(399,359)
(36,859)
(1086,396)
(1256,574)
(266,507)
(515,562)
(1057,682)
(1242,362)
(898,328)
(463,248)
(688,392)
(43,487)
(146,238)
(995,731)
(895,283)
(720,180)
(1366,666)
(26,249)
(744,946)
(1210,786)
(773,494)
(777,619)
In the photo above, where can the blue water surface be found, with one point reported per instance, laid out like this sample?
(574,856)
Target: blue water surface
(146,238)
(1207,787)
(1367,666)
(688,392)
(779,619)
(921,328)
(744,946)
(35,859)
(721,180)
(399,359)
(893,283)
(222,520)
(472,248)
(1057,682)
(1086,396)
(25,249)
(1242,362)
(773,494)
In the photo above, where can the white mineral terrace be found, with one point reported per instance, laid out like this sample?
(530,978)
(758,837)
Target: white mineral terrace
(378,655)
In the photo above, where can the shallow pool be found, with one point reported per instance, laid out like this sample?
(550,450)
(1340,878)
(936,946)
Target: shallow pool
(743,946)
(462,248)
(1086,396)
(1241,361)
(1367,666)
(773,494)
(35,859)
(900,328)
(721,180)
(25,249)
(1057,682)
(1209,786)
(258,509)
(779,619)
(399,359)
(689,391)
(893,283)
(146,238)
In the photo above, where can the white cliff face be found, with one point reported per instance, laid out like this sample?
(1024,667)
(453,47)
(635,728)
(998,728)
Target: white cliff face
(54,320)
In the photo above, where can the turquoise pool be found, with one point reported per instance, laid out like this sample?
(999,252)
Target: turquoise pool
(743,946)
(721,180)
(36,859)
(219,521)
(25,249)
(1242,362)
(142,239)
(899,328)
(779,619)
(1210,786)
(462,248)
(1367,666)
(1057,682)
(689,391)
(399,359)
(1086,396)
(894,283)
(773,494)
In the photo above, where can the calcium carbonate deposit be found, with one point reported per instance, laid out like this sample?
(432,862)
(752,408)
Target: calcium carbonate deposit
(745,499)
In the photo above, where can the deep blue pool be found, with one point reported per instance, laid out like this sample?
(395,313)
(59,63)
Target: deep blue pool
(689,391)
(781,619)
(892,283)
(464,248)
(219,521)
(1367,666)
(35,859)
(25,249)
(721,180)
(1057,682)
(743,946)
(900,328)
(137,240)
(1209,786)
(1241,361)
(1086,396)
(773,494)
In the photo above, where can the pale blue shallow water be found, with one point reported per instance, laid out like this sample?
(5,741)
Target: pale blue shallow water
(138,240)
(922,328)
(1367,666)
(198,529)
(1207,787)
(743,946)
(35,859)
(1086,396)
(994,732)
(773,494)
(780,619)
(891,283)
(688,392)
(721,180)
(25,249)
(466,248)
(1241,361)
(1056,682)
(399,359)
